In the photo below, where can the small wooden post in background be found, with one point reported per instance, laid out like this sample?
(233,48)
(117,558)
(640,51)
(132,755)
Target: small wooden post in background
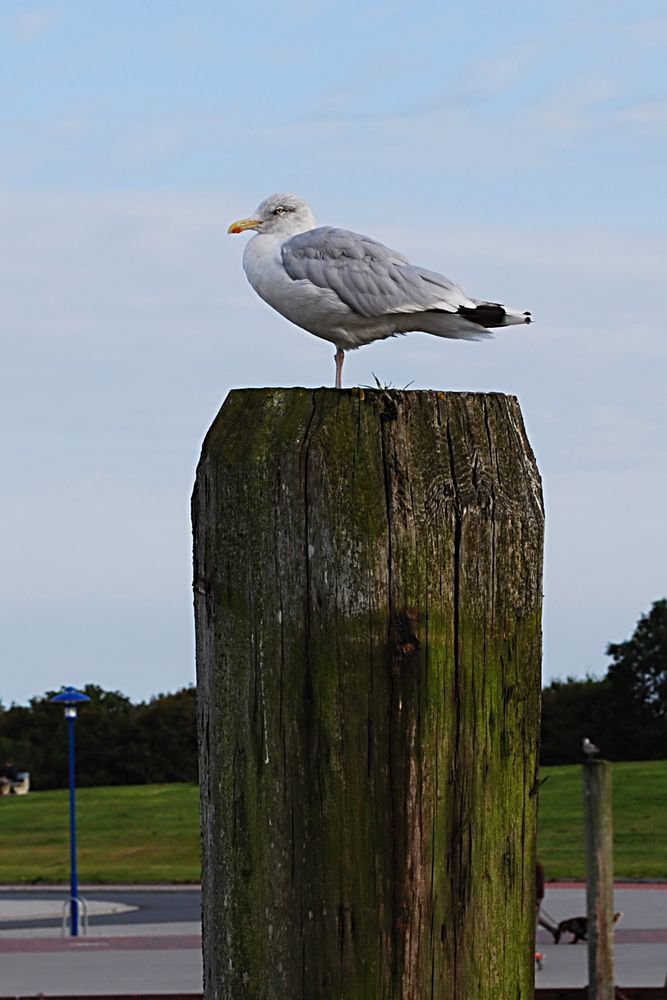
(599,878)
(368,583)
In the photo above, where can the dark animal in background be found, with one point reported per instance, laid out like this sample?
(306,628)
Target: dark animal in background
(578,927)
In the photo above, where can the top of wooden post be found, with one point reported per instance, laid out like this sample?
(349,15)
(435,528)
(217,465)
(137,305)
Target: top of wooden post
(485,429)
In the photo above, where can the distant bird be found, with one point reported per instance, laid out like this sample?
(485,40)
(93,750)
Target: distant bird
(589,749)
(352,290)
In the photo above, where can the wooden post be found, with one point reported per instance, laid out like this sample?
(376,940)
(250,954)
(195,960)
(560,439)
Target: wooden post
(368,577)
(599,878)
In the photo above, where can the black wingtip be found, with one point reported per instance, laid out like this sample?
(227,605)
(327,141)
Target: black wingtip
(529,318)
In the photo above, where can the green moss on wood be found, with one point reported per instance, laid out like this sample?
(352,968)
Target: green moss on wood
(368,586)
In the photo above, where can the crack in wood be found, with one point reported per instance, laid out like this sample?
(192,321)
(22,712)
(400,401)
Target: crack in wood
(367,592)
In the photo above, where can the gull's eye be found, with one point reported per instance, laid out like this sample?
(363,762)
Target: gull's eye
(280,210)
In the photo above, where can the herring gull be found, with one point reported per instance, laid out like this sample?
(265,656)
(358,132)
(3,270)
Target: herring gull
(351,290)
(589,748)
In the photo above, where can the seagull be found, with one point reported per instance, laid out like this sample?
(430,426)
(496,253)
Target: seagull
(351,290)
(589,749)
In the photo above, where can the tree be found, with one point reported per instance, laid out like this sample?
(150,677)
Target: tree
(572,709)
(625,712)
(165,737)
(118,743)
(638,686)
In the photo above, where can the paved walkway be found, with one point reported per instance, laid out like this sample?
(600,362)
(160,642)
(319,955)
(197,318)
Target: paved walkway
(104,963)
(123,955)
(640,940)
(12,911)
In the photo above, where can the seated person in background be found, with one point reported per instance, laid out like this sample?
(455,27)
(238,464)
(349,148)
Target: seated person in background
(7,777)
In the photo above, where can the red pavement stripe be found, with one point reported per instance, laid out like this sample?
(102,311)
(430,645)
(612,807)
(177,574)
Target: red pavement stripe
(162,942)
(113,996)
(629,936)
(617,885)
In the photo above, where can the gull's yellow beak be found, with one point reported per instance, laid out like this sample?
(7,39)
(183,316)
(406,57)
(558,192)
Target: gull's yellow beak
(243,224)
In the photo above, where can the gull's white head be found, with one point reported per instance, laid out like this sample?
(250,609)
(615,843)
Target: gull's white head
(282,214)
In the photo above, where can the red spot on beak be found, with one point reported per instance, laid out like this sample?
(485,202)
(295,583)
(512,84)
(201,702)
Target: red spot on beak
(236,229)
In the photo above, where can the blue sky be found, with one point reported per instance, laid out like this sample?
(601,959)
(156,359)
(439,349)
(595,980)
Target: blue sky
(518,148)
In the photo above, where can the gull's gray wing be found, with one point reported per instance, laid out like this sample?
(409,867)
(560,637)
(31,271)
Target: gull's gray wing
(371,279)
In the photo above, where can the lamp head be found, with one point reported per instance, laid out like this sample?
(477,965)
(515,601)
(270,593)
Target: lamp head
(71,699)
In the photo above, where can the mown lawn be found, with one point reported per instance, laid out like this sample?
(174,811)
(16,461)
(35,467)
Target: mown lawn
(139,833)
(150,833)
(640,821)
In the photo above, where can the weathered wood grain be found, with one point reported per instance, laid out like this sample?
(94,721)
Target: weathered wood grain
(368,575)
(599,847)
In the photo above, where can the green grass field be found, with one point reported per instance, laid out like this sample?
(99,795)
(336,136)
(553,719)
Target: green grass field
(640,821)
(138,833)
(149,833)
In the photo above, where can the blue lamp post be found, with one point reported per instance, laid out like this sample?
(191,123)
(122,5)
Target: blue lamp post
(70,698)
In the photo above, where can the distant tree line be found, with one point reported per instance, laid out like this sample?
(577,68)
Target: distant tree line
(119,743)
(625,712)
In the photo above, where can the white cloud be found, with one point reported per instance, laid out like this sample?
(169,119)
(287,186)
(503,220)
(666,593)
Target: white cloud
(650,114)
(651,33)
(128,317)
(453,130)
(491,76)
(28,25)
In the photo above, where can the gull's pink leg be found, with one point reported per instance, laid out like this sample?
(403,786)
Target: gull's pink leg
(340,357)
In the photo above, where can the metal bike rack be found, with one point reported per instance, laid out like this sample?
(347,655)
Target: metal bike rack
(67,914)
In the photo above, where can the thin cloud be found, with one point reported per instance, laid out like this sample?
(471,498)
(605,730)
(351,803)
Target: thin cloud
(132,318)
(650,33)
(650,114)
(528,136)
(489,77)
(28,25)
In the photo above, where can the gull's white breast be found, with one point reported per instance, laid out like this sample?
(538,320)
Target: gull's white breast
(318,310)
